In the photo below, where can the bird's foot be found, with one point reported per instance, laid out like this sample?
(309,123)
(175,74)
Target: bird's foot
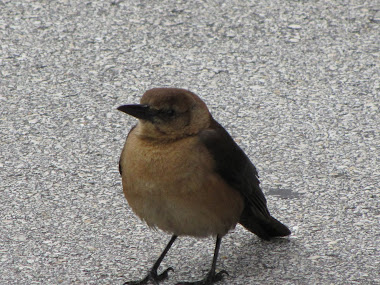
(152,276)
(210,278)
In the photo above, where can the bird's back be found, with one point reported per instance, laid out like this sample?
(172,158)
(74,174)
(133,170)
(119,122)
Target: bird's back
(238,171)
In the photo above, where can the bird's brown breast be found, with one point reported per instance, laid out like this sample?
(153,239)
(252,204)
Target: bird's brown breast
(173,186)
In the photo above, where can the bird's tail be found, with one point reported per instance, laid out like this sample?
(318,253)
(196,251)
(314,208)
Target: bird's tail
(265,228)
(276,228)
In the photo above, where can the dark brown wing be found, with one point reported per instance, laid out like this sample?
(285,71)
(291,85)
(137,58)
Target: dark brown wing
(237,170)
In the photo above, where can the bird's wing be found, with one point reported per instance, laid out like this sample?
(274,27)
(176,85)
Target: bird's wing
(120,170)
(234,167)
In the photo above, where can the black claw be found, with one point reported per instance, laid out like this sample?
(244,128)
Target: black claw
(164,274)
(224,272)
(219,276)
(152,276)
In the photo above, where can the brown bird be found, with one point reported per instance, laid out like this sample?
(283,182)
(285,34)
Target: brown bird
(184,174)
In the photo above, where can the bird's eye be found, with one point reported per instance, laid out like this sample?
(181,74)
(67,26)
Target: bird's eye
(170,112)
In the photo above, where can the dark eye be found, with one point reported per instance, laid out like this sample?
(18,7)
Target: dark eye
(170,112)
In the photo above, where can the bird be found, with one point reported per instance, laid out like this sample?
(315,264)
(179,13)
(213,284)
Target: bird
(184,174)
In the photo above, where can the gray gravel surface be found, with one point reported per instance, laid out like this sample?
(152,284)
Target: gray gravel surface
(296,83)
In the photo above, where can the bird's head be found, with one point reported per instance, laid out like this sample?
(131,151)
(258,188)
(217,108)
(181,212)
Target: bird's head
(169,113)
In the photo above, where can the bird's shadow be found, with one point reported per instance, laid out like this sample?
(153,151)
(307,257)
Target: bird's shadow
(255,256)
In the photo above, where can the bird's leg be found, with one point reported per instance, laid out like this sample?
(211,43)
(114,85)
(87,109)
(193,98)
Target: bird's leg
(211,276)
(152,275)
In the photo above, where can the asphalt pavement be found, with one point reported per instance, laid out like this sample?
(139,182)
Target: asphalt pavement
(296,83)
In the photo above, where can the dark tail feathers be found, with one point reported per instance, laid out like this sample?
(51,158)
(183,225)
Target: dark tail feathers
(265,228)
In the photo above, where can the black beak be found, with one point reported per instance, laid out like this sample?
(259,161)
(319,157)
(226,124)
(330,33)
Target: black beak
(139,111)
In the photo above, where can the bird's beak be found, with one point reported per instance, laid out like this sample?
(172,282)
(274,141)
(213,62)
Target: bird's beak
(139,111)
